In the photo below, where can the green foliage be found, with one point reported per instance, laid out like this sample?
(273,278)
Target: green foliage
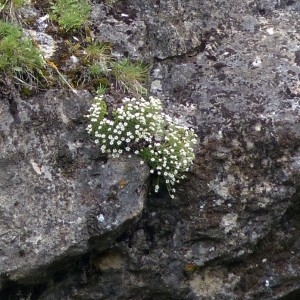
(18,54)
(96,70)
(101,90)
(70,14)
(98,62)
(141,127)
(98,57)
(97,51)
(131,76)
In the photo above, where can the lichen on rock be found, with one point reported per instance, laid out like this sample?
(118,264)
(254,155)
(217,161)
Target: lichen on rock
(228,68)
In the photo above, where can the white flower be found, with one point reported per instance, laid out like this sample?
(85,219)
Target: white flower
(267,283)
(170,144)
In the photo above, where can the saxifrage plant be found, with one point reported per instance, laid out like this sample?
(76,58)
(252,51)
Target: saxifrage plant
(140,126)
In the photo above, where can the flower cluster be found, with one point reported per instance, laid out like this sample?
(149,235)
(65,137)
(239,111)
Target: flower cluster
(139,126)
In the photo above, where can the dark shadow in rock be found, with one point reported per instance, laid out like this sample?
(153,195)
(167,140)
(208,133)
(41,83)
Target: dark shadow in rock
(295,295)
(62,274)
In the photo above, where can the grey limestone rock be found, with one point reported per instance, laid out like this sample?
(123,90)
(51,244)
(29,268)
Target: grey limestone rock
(232,231)
(52,183)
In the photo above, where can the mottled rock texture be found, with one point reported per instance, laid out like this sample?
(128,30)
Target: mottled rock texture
(69,230)
(55,194)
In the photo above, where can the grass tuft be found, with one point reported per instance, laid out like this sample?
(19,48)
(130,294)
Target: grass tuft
(19,57)
(131,76)
(70,14)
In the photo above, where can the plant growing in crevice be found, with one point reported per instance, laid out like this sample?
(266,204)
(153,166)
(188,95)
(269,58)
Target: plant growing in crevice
(19,57)
(70,14)
(130,76)
(140,126)
(92,62)
(101,90)
(98,58)
(97,64)
(98,52)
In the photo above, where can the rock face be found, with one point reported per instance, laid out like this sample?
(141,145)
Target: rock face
(56,196)
(74,226)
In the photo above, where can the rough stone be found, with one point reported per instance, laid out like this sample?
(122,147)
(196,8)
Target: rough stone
(231,70)
(55,195)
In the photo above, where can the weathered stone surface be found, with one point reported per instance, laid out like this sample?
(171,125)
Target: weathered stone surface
(55,193)
(230,69)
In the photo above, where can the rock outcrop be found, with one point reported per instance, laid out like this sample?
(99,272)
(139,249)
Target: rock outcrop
(55,194)
(74,225)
